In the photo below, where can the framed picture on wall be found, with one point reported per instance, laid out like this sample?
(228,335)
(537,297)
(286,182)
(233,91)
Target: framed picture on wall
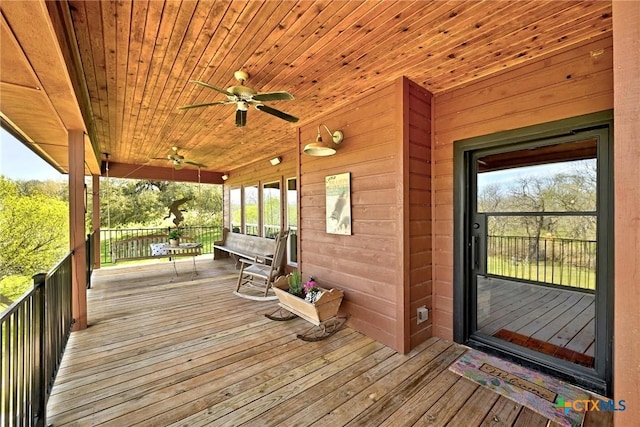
(338,210)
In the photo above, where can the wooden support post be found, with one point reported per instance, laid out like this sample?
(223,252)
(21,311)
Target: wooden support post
(77,229)
(626,102)
(95,221)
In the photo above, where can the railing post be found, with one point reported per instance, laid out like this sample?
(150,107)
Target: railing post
(40,378)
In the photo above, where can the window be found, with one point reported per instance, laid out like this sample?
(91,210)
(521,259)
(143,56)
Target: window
(292,221)
(271,217)
(235,208)
(251,211)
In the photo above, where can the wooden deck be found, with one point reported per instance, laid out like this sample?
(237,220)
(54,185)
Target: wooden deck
(555,316)
(189,353)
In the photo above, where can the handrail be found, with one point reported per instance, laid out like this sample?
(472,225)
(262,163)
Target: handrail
(201,234)
(35,330)
(555,261)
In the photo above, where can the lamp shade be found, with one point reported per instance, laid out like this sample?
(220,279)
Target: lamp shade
(319,149)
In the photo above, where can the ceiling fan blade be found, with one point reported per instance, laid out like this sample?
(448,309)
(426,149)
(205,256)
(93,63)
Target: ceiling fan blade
(241,118)
(206,104)
(191,162)
(277,113)
(207,85)
(272,96)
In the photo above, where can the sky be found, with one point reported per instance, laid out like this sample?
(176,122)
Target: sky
(20,163)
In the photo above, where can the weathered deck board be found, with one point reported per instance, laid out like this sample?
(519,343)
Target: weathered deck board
(192,354)
(561,317)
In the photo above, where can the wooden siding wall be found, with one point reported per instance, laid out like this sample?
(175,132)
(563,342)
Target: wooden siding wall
(372,265)
(259,173)
(565,84)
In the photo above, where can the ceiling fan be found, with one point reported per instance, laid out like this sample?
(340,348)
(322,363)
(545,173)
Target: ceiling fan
(178,159)
(243,97)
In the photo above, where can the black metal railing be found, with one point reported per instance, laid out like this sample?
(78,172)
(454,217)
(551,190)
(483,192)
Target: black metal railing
(35,330)
(202,234)
(90,257)
(567,262)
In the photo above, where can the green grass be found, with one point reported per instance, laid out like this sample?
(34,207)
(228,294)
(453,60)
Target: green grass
(552,273)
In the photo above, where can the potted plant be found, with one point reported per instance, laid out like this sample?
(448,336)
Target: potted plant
(174,236)
(309,301)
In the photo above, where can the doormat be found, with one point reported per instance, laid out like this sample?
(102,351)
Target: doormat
(540,392)
(546,348)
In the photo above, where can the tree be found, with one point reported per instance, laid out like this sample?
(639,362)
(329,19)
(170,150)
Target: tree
(34,229)
(34,225)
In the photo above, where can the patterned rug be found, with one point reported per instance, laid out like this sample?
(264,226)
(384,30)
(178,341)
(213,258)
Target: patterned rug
(540,392)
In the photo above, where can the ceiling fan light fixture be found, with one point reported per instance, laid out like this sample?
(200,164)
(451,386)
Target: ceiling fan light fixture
(321,149)
(177,164)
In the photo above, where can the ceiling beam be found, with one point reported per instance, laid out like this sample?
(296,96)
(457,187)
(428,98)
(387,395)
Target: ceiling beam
(130,171)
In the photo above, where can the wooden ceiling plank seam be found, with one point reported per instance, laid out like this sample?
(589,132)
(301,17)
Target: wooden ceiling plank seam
(293,33)
(176,13)
(60,16)
(257,65)
(138,25)
(309,46)
(552,59)
(152,54)
(185,60)
(512,57)
(24,59)
(180,80)
(393,53)
(151,25)
(177,41)
(207,35)
(83,41)
(529,81)
(123,31)
(373,34)
(95,40)
(357,32)
(443,56)
(222,34)
(46,58)
(46,97)
(108,12)
(237,49)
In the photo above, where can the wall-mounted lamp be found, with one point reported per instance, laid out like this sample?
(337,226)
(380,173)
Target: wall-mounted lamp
(225,177)
(275,161)
(319,148)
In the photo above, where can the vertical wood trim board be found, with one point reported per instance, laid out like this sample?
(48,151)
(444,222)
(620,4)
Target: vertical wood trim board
(626,41)
(417,176)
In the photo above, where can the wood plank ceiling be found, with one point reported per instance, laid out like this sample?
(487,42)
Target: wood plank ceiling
(138,57)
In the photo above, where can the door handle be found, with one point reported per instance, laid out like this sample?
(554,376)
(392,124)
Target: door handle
(474,252)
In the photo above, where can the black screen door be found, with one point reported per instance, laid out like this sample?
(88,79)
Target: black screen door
(532,233)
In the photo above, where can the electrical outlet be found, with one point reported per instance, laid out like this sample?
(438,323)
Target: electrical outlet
(423,314)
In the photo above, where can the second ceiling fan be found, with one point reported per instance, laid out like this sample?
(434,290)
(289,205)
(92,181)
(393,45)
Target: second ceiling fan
(243,97)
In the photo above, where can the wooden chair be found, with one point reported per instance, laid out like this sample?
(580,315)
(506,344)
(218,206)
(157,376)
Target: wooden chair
(262,271)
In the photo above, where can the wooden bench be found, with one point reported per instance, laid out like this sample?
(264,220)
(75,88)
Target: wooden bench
(242,246)
(139,247)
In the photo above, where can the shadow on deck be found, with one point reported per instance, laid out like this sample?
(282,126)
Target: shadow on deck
(189,353)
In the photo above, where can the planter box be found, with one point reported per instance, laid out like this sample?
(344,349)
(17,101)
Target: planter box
(325,307)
